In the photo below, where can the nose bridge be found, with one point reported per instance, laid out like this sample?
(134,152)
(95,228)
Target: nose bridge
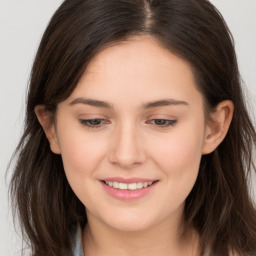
(127,150)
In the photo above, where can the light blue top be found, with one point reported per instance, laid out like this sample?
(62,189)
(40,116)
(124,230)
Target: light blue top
(77,247)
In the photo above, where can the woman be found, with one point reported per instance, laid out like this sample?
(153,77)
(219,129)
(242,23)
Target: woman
(137,138)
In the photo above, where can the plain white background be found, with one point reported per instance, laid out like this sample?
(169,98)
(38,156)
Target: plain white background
(22,23)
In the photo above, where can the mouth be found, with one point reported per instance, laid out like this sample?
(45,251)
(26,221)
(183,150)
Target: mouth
(128,186)
(128,189)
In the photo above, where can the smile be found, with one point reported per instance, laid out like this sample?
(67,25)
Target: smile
(128,186)
(129,189)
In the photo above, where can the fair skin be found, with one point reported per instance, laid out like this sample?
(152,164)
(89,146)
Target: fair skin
(151,126)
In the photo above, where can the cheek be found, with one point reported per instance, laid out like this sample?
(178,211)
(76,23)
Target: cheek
(81,158)
(179,158)
(182,148)
(80,155)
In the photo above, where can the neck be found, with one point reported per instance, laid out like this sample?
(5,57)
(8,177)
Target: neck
(165,238)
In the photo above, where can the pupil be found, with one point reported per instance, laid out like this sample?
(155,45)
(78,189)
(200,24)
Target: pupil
(95,122)
(160,122)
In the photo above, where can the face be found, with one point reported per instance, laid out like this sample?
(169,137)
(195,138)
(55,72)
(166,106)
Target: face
(131,135)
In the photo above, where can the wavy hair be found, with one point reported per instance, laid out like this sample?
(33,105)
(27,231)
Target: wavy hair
(219,207)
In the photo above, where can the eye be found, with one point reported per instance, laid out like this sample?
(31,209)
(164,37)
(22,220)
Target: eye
(93,123)
(162,123)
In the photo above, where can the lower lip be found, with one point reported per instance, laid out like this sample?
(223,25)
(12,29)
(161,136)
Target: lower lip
(128,194)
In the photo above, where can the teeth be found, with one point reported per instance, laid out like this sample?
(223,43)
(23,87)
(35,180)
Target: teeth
(122,186)
(130,186)
(115,184)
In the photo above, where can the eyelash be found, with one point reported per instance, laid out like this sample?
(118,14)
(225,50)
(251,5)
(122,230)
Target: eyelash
(167,123)
(102,122)
(86,122)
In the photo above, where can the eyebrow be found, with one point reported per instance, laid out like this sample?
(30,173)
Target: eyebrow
(91,102)
(165,102)
(153,104)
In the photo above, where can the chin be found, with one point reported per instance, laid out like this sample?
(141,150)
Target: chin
(130,223)
(128,227)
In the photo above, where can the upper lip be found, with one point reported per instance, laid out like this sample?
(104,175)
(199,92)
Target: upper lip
(128,180)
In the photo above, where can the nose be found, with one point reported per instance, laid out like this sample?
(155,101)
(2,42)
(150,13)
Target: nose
(126,148)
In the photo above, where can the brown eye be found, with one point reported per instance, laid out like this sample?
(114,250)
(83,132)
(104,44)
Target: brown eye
(162,122)
(93,123)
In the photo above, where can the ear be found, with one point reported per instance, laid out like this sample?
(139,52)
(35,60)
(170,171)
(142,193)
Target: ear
(44,118)
(217,128)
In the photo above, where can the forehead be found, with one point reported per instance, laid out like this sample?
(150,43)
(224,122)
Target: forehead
(137,53)
(139,68)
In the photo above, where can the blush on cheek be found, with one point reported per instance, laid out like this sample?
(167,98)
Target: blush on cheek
(183,165)
(179,151)
(181,159)
(80,157)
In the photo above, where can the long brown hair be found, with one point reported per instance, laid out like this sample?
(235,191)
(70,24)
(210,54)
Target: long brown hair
(219,207)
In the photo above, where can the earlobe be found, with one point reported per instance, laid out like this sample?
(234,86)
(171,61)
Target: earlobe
(44,118)
(216,129)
